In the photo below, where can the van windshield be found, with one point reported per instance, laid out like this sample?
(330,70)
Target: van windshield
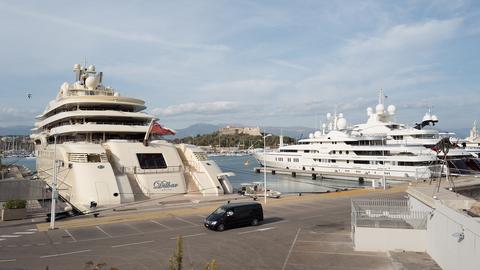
(219,211)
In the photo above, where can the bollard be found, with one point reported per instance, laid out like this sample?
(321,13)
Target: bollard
(361,180)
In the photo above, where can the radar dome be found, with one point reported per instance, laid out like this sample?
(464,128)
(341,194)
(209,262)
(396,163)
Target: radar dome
(310,135)
(342,123)
(91,82)
(324,125)
(329,115)
(76,67)
(91,68)
(369,111)
(340,115)
(427,117)
(317,134)
(434,118)
(391,109)
(380,108)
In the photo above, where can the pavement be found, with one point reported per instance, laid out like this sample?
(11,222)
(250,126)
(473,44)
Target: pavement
(299,232)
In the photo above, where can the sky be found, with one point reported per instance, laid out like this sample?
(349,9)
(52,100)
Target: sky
(260,63)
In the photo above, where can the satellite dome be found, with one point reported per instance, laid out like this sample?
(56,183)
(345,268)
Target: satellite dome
(380,108)
(324,125)
(91,82)
(434,118)
(391,109)
(317,134)
(76,67)
(91,68)
(427,117)
(369,111)
(342,123)
(310,135)
(329,115)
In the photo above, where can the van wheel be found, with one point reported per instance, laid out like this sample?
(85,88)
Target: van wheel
(221,228)
(255,222)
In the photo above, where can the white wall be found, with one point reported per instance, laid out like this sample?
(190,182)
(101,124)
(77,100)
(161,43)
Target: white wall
(444,247)
(385,239)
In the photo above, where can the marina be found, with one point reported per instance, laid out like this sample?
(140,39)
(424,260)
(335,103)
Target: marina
(217,135)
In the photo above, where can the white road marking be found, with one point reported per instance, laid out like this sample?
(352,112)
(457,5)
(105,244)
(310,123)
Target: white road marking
(186,221)
(27,245)
(337,253)
(190,235)
(63,254)
(1,239)
(100,229)
(130,244)
(10,236)
(41,244)
(158,223)
(32,230)
(8,260)
(291,248)
(71,236)
(258,230)
(23,232)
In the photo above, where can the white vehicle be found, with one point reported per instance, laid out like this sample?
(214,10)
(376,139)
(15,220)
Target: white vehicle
(110,152)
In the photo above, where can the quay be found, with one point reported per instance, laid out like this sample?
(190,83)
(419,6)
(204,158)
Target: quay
(316,175)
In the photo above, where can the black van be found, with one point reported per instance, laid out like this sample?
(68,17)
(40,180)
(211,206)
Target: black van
(235,215)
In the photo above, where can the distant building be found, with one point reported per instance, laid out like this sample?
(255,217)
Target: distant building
(231,130)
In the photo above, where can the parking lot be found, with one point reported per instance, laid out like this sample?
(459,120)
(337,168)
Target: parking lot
(298,234)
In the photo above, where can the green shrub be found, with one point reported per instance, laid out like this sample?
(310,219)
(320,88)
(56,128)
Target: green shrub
(15,204)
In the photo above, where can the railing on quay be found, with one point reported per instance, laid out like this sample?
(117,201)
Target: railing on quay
(387,213)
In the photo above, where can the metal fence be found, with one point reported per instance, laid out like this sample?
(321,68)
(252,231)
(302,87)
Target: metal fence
(387,213)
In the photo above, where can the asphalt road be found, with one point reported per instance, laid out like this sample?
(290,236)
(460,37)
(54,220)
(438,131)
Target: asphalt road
(313,234)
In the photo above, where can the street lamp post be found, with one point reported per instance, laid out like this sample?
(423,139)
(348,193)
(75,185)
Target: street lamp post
(265,167)
(54,184)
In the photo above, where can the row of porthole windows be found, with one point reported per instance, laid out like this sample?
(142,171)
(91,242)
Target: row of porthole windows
(340,152)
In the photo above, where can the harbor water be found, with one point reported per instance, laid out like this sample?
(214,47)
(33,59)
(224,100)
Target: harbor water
(243,167)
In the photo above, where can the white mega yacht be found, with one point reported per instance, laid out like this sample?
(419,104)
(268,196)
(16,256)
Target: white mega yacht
(338,152)
(110,152)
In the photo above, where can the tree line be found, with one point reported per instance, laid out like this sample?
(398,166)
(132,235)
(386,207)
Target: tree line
(242,141)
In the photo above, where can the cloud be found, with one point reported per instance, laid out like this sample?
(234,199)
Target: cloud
(405,37)
(289,65)
(116,34)
(250,85)
(14,116)
(209,108)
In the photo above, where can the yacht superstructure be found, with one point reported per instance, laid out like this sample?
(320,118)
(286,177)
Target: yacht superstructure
(110,152)
(472,142)
(381,122)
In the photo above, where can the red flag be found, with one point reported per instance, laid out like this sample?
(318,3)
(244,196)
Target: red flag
(159,130)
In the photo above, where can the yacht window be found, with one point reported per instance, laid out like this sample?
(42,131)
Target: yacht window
(93,158)
(333,152)
(361,162)
(340,152)
(346,152)
(151,161)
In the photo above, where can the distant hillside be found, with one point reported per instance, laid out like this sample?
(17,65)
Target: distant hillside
(201,129)
(15,130)
(194,130)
